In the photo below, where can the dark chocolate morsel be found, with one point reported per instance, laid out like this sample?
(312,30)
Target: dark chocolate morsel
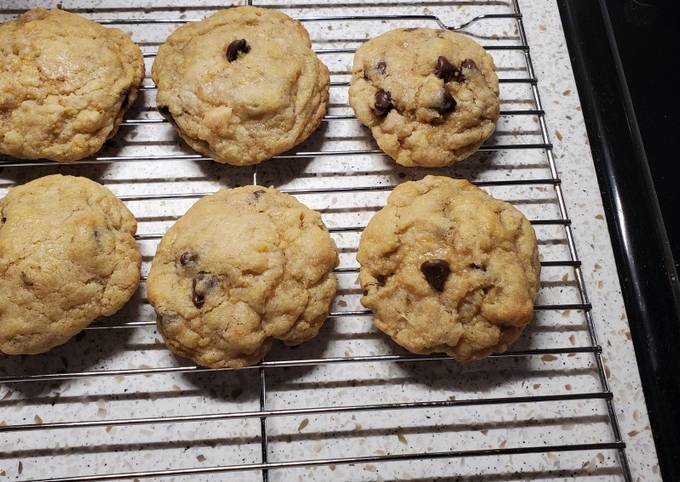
(383,103)
(258,194)
(381,67)
(436,273)
(448,103)
(445,70)
(235,47)
(188,257)
(200,285)
(468,64)
(382,279)
(365,292)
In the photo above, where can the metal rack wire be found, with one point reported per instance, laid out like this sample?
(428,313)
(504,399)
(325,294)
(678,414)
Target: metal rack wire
(366,185)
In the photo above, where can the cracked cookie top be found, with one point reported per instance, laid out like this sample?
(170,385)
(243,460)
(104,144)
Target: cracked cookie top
(65,82)
(448,268)
(241,268)
(241,86)
(430,97)
(67,256)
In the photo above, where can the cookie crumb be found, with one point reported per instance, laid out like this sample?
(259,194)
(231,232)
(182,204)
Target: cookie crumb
(303,424)
(548,358)
(200,458)
(38,420)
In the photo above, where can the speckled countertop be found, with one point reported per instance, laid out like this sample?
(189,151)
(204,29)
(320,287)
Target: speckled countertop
(36,452)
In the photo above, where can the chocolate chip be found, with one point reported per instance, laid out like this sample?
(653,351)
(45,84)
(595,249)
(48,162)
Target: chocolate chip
(200,285)
(383,103)
(445,70)
(381,67)
(436,273)
(365,292)
(382,279)
(476,266)
(235,47)
(468,64)
(188,257)
(448,103)
(257,194)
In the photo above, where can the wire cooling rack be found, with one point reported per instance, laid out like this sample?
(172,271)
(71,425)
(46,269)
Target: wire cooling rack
(350,405)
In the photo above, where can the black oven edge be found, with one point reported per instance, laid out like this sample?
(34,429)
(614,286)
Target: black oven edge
(643,256)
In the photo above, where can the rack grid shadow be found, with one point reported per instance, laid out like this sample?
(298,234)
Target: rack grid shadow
(114,404)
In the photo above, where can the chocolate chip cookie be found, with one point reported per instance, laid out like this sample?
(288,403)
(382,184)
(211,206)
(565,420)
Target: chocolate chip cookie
(67,256)
(242,85)
(448,268)
(429,96)
(241,268)
(65,83)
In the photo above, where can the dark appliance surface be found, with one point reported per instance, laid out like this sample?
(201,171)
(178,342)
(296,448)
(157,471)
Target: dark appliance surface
(625,61)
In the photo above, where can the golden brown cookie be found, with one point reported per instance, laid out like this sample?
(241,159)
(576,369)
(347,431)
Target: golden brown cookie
(65,83)
(67,256)
(242,85)
(448,268)
(242,268)
(430,97)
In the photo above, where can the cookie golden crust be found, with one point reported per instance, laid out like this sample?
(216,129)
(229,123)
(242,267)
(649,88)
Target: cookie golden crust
(65,83)
(242,85)
(430,97)
(67,256)
(448,268)
(241,268)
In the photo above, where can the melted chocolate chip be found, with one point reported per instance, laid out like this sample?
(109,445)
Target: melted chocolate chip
(200,285)
(235,47)
(468,64)
(445,70)
(257,194)
(382,279)
(365,292)
(436,273)
(448,103)
(188,257)
(381,67)
(383,103)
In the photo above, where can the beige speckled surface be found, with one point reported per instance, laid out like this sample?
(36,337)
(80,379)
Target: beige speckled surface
(113,449)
